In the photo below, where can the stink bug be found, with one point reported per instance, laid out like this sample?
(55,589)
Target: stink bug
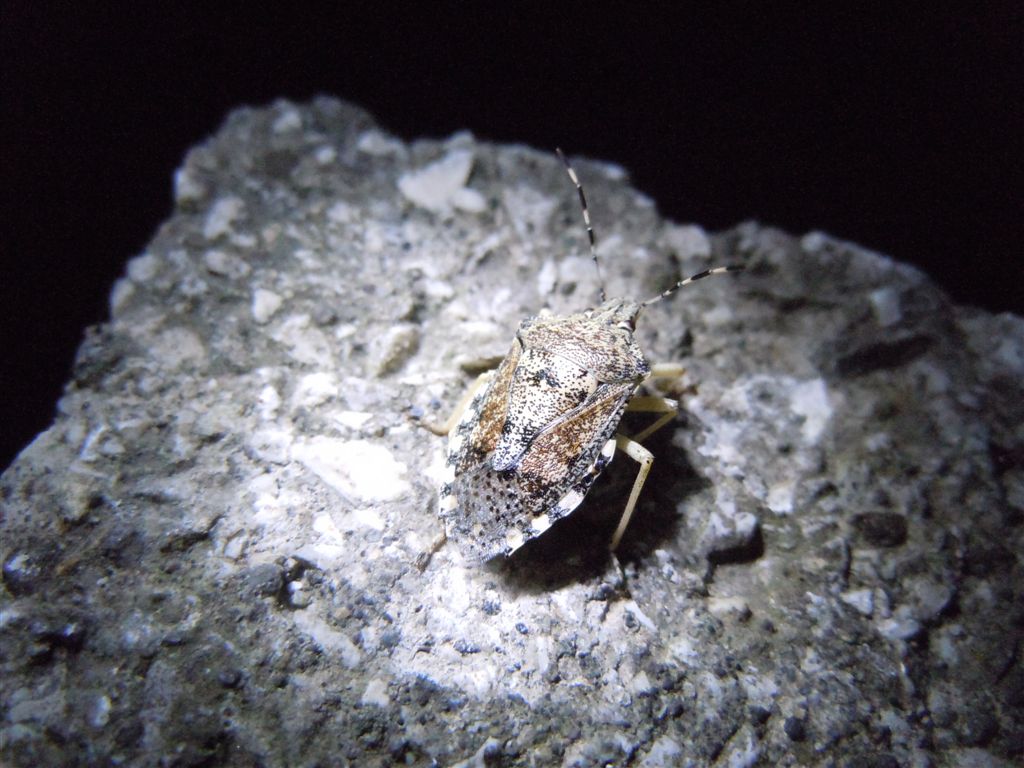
(529,438)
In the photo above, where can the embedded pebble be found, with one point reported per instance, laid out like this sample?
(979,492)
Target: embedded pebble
(265,305)
(886,304)
(376,693)
(178,348)
(861,600)
(143,268)
(222,216)
(395,347)
(440,185)
(225,264)
(356,468)
(187,188)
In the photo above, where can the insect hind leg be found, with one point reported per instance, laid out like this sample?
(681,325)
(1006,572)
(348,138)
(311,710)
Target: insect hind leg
(645,458)
(632,448)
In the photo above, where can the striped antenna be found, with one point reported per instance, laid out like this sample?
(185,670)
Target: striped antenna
(693,279)
(586,219)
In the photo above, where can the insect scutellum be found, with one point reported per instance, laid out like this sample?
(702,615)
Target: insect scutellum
(597,264)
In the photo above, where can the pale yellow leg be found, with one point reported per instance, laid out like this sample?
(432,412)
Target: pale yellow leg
(644,404)
(645,458)
(666,371)
(649,404)
(449,425)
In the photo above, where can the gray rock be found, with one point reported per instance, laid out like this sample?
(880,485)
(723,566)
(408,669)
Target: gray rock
(209,557)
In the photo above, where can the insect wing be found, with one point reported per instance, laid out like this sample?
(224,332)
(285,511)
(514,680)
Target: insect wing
(559,454)
(491,511)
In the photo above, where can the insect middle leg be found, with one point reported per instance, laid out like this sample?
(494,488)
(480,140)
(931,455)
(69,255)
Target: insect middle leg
(653,404)
(632,447)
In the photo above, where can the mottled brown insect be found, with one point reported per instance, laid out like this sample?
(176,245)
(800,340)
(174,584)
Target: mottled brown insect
(530,438)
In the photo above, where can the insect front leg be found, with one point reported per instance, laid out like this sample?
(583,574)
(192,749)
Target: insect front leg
(444,429)
(666,371)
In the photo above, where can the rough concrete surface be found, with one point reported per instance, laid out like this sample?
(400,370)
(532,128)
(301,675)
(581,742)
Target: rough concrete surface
(209,558)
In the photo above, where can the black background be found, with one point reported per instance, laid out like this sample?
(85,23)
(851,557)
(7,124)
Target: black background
(897,127)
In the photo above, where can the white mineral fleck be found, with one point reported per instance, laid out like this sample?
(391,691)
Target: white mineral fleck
(324,525)
(781,497)
(234,547)
(264,304)
(688,241)
(268,403)
(99,714)
(271,444)
(641,683)
(357,468)
(469,200)
(187,188)
(367,517)
(375,142)
(435,186)
(328,638)
(395,346)
(928,597)
(945,642)
(685,650)
(352,419)
(143,268)
(719,315)
(727,526)
(1010,354)
(814,241)
(902,626)
(314,389)
(341,212)
(547,276)
(226,264)
(325,155)
(664,753)
(224,212)
(886,304)
(305,342)
(376,693)
(743,750)
(175,347)
(810,400)
(877,441)
(119,295)
(861,600)
(480,758)
(729,607)
(289,120)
